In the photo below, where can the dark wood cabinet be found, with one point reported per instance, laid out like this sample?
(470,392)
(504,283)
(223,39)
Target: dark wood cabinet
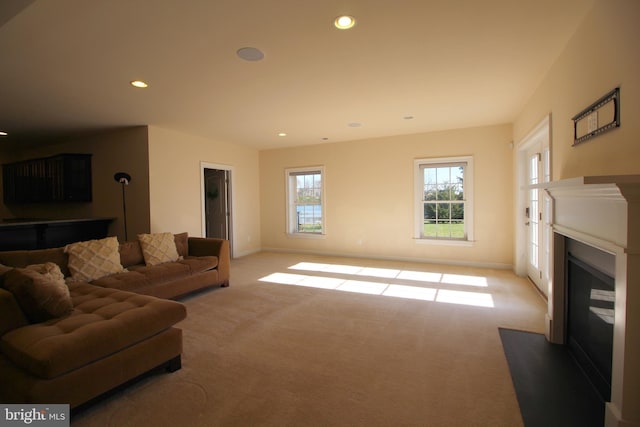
(60,178)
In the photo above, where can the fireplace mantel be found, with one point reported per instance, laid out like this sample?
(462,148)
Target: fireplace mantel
(603,212)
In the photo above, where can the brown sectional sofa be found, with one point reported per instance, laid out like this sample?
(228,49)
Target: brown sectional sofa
(205,262)
(120,326)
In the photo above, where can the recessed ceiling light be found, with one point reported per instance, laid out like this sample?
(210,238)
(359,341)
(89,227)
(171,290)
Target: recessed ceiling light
(354,125)
(250,54)
(282,134)
(344,22)
(2,133)
(139,84)
(408,117)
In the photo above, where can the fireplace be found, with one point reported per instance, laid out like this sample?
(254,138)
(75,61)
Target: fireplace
(594,298)
(590,314)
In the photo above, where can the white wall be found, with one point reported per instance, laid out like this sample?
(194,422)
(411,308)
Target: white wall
(175,190)
(602,54)
(369,188)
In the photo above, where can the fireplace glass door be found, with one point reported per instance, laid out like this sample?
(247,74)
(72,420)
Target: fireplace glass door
(590,320)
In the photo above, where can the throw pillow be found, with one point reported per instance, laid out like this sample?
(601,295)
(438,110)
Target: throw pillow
(131,253)
(41,296)
(50,270)
(182,243)
(93,259)
(158,248)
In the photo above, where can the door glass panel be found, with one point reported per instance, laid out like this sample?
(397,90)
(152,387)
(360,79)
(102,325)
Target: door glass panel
(533,212)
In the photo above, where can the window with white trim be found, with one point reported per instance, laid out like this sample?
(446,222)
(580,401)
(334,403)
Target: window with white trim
(444,199)
(305,201)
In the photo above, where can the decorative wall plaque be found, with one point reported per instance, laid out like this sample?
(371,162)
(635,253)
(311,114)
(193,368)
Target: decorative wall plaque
(601,116)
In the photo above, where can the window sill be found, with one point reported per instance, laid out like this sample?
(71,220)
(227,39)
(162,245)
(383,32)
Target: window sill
(306,235)
(443,242)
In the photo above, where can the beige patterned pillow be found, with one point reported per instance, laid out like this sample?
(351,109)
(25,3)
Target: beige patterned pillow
(50,270)
(40,291)
(158,248)
(94,259)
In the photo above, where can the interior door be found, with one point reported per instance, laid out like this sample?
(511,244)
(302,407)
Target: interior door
(216,187)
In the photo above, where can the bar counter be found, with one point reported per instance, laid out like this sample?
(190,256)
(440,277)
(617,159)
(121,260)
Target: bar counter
(30,233)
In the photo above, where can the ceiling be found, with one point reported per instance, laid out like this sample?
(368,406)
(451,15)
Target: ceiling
(408,66)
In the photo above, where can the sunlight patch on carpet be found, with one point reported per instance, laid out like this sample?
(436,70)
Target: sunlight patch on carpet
(390,273)
(476,299)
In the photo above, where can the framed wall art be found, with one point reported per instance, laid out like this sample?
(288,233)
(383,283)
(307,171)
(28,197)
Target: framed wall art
(601,116)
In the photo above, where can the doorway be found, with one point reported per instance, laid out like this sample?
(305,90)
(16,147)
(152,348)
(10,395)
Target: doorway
(217,202)
(533,219)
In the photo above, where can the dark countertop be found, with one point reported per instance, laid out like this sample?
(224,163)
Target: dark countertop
(13,222)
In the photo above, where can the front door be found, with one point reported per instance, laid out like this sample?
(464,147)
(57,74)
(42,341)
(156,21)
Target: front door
(533,212)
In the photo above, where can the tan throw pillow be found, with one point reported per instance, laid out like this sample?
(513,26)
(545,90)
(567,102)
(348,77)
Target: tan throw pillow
(41,296)
(158,248)
(48,269)
(182,243)
(93,259)
(131,253)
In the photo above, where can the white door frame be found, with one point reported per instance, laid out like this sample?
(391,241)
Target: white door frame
(230,169)
(541,130)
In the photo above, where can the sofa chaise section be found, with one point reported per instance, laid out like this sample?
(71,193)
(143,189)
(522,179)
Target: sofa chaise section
(110,337)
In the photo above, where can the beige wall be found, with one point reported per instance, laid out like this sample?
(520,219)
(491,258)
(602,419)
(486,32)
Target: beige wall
(175,185)
(369,196)
(113,151)
(602,55)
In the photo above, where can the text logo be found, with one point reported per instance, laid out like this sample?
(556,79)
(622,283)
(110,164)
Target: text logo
(34,415)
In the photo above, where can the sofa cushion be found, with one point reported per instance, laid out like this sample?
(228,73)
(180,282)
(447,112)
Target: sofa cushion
(127,281)
(103,322)
(3,270)
(93,259)
(131,253)
(162,273)
(198,264)
(158,248)
(11,315)
(40,291)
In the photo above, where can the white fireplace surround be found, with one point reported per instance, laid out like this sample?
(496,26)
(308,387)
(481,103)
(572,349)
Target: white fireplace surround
(603,212)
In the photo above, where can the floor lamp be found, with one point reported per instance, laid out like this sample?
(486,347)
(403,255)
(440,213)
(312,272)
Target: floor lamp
(124,179)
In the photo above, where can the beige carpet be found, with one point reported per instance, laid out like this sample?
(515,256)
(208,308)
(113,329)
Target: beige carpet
(422,350)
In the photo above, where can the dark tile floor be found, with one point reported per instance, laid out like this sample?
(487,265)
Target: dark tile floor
(552,390)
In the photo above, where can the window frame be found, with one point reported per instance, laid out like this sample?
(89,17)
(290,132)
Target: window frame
(419,199)
(290,209)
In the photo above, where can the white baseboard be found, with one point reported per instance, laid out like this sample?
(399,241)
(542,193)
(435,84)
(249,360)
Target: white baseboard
(240,254)
(613,418)
(494,265)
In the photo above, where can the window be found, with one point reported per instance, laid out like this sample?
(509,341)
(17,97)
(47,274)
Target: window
(444,209)
(305,201)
